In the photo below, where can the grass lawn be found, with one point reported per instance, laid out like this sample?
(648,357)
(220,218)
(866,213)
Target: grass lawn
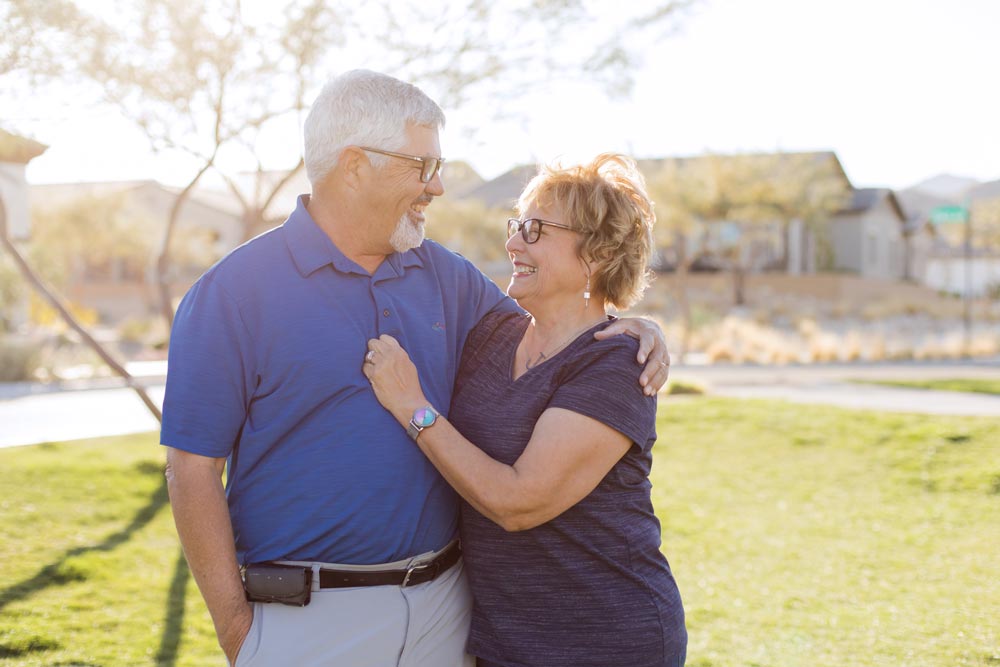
(970,385)
(91,572)
(799,535)
(809,535)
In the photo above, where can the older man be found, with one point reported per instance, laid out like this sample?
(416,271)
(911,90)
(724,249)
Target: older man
(334,539)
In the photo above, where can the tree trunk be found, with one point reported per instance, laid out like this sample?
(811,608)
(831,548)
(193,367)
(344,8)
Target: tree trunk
(39,285)
(786,231)
(163,257)
(739,284)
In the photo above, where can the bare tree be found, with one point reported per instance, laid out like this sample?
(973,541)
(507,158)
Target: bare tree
(209,78)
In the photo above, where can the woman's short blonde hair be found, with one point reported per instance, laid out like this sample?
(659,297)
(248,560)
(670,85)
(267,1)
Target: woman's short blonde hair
(606,200)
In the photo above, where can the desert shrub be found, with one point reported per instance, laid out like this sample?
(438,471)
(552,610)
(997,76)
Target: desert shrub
(684,387)
(135,330)
(19,359)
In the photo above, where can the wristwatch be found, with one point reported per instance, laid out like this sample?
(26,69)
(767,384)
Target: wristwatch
(422,418)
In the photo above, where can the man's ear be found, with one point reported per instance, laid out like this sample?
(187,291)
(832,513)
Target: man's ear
(352,165)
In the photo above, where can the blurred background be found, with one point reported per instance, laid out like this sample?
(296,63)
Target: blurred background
(827,183)
(825,173)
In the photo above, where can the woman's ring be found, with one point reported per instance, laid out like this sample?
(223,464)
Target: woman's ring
(370,357)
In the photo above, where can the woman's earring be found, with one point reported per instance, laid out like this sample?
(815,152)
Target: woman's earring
(586,294)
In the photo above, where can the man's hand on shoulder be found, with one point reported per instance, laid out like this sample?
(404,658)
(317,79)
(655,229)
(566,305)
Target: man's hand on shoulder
(652,349)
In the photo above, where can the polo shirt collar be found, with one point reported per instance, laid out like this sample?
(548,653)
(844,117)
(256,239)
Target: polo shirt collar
(312,249)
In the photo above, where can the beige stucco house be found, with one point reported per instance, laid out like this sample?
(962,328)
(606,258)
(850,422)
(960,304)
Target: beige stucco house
(15,154)
(124,287)
(868,237)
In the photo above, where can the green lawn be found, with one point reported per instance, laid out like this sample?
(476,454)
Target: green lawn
(799,535)
(91,572)
(969,385)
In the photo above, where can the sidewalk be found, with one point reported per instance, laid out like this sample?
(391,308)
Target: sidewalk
(147,373)
(830,384)
(33,412)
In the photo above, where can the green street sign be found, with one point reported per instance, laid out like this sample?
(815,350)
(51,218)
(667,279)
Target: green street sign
(947,215)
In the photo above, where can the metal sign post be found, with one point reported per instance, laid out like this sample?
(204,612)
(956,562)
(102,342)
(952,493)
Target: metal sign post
(947,215)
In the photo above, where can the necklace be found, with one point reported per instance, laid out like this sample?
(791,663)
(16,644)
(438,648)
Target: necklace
(530,363)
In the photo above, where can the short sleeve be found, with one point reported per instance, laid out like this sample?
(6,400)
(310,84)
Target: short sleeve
(210,373)
(602,382)
(481,294)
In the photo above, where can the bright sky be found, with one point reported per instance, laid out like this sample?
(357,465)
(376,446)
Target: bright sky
(901,89)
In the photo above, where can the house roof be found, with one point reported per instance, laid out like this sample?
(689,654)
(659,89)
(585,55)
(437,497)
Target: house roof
(460,178)
(59,194)
(503,191)
(863,199)
(18,149)
(648,165)
(917,223)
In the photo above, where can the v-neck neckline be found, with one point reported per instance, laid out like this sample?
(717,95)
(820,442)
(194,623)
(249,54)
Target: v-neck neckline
(520,336)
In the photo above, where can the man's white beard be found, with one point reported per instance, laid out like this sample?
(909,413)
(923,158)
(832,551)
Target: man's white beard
(406,235)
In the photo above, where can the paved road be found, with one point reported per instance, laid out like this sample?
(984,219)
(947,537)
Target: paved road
(47,416)
(31,413)
(831,385)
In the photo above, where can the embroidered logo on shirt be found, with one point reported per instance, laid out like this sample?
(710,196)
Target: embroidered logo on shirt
(438,326)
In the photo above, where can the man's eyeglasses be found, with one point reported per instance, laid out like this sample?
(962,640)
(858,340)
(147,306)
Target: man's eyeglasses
(531,229)
(429,166)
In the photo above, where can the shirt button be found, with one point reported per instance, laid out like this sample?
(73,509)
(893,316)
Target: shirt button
(386,312)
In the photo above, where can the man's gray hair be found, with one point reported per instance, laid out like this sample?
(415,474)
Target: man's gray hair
(363,108)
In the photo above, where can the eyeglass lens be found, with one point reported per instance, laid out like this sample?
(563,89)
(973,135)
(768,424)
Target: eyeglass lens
(529,229)
(431,166)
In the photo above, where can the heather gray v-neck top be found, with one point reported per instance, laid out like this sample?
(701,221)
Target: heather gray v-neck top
(590,587)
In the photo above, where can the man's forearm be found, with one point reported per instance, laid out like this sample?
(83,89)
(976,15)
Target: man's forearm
(203,524)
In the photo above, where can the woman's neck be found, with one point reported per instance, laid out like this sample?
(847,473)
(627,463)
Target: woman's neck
(550,331)
(546,326)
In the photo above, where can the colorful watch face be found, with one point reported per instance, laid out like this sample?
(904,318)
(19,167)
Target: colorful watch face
(424,417)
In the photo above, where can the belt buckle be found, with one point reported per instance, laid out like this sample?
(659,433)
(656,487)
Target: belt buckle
(416,567)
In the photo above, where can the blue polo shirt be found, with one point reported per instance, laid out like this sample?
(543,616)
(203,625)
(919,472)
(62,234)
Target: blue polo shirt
(265,368)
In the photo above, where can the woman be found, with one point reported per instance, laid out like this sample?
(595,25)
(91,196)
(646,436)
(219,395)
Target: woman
(549,438)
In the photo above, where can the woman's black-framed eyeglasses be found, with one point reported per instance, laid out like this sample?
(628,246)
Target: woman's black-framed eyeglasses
(531,229)
(429,166)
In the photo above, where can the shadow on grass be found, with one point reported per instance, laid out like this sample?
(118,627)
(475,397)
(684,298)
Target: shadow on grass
(174,621)
(52,574)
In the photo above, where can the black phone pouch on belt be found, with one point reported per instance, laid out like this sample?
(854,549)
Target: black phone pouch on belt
(285,584)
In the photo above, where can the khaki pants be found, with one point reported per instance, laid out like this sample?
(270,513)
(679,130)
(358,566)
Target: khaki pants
(377,626)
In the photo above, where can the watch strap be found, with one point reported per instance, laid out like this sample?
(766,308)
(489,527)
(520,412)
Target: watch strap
(422,418)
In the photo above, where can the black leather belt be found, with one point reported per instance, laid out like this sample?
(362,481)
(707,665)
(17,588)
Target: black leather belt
(419,573)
